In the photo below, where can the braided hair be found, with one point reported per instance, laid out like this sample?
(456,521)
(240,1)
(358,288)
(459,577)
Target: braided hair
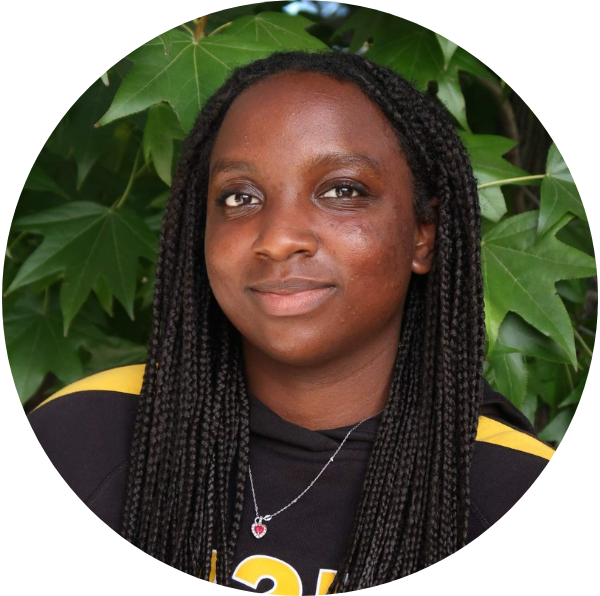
(189,457)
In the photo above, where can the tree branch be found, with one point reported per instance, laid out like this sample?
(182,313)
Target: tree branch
(134,172)
(511,180)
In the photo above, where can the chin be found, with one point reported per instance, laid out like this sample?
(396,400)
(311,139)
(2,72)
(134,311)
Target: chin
(295,349)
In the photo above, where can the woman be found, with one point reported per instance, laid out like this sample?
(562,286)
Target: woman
(313,388)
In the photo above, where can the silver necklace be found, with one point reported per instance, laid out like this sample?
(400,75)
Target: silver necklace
(259,528)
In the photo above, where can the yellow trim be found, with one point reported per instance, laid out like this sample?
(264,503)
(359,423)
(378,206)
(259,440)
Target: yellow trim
(496,433)
(128,379)
(125,379)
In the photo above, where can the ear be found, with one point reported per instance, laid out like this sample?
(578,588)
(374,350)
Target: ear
(425,241)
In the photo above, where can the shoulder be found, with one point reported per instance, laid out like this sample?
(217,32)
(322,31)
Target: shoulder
(123,379)
(507,460)
(86,428)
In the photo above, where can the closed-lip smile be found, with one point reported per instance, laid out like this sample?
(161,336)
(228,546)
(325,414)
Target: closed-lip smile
(290,296)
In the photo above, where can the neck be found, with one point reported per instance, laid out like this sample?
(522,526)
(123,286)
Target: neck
(338,393)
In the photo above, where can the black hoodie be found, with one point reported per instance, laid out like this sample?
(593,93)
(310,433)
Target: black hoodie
(86,431)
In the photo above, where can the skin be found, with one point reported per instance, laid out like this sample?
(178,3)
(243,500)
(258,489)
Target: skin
(281,206)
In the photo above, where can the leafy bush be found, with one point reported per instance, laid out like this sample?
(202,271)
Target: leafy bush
(78,274)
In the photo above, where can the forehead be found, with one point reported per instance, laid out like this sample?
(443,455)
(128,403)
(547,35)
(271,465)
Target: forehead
(302,112)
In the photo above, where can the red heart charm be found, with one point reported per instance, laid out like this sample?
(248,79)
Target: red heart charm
(259,529)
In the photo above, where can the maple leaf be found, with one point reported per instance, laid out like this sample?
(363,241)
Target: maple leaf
(486,153)
(35,342)
(412,51)
(39,179)
(85,241)
(520,274)
(558,194)
(162,128)
(449,89)
(506,367)
(366,24)
(184,72)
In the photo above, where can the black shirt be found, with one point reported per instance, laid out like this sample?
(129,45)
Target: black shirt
(86,431)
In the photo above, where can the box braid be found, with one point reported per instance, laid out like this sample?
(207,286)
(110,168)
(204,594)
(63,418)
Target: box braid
(189,456)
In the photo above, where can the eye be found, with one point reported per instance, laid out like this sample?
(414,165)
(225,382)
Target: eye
(341,191)
(238,199)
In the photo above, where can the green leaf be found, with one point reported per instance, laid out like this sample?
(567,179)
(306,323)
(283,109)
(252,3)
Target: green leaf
(145,290)
(228,15)
(76,135)
(11,267)
(38,179)
(462,60)
(555,431)
(194,70)
(162,128)
(574,397)
(492,203)
(89,143)
(450,93)
(417,53)
(84,241)
(507,373)
(104,295)
(486,153)
(276,31)
(160,201)
(112,352)
(154,221)
(412,51)
(558,194)
(529,407)
(367,24)
(516,335)
(448,48)
(520,276)
(36,346)
(551,382)
(577,234)
(573,290)
(35,342)
(60,142)
(166,37)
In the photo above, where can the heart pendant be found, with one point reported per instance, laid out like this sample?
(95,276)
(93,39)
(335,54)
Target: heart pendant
(259,529)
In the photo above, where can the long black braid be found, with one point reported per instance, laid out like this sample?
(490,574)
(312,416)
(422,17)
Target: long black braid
(189,458)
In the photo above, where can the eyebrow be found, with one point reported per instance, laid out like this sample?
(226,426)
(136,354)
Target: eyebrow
(331,159)
(338,159)
(231,165)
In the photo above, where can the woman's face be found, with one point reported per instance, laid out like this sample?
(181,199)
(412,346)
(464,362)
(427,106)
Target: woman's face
(311,237)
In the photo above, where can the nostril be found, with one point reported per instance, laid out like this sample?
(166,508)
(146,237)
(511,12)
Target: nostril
(281,244)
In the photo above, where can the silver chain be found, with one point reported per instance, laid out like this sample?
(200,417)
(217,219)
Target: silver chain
(272,515)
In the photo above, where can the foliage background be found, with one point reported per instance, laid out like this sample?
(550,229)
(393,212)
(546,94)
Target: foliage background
(78,271)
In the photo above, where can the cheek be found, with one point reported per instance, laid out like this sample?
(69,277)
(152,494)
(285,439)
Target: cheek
(380,260)
(222,256)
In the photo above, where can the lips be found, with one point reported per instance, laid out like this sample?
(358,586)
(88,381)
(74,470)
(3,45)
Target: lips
(291,296)
(289,285)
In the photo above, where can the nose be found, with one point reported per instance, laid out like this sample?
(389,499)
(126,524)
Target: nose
(285,232)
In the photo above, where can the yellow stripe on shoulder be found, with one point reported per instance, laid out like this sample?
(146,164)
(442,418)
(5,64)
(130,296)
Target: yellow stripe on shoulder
(496,433)
(125,379)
